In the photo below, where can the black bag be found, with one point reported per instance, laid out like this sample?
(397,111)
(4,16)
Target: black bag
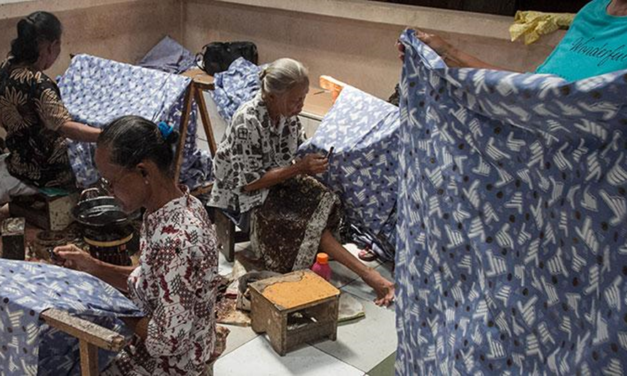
(217,56)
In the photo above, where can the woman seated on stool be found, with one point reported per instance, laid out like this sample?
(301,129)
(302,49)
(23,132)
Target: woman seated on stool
(292,216)
(175,282)
(32,113)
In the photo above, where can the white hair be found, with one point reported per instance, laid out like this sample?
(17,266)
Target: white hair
(283,75)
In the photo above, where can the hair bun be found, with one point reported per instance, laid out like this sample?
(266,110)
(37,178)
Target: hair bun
(172,138)
(26,30)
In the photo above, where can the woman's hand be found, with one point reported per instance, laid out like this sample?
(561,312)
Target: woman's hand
(437,43)
(452,56)
(77,259)
(313,164)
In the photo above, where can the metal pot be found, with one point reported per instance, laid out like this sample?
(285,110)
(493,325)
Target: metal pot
(99,212)
(107,229)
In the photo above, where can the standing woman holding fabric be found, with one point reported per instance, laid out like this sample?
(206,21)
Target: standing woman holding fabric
(32,113)
(291,215)
(594,45)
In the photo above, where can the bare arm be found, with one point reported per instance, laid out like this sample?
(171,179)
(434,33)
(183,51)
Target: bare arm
(76,258)
(453,57)
(115,275)
(459,59)
(311,164)
(79,132)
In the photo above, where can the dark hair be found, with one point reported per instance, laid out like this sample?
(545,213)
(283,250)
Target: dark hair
(131,139)
(35,28)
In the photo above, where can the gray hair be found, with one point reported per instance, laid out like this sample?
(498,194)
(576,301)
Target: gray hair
(283,75)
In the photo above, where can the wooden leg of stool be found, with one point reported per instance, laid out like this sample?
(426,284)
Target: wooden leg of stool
(225,230)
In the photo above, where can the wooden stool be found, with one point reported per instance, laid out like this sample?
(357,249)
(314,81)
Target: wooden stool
(49,211)
(294,309)
(13,239)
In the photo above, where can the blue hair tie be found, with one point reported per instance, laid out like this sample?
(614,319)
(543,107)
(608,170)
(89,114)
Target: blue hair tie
(165,130)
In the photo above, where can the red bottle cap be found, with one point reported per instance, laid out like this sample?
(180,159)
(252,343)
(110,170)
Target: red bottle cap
(322,258)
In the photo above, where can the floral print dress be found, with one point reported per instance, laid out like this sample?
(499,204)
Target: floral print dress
(175,284)
(31,112)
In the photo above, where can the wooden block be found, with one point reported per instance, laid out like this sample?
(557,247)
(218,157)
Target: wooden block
(13,238)
(225,231)
(48,213)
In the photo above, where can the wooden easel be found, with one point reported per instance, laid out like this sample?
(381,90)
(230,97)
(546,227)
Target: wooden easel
(225,228)
(201,81)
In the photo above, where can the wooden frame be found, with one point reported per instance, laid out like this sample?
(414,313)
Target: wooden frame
(200,82)
(225,229)
(90,337)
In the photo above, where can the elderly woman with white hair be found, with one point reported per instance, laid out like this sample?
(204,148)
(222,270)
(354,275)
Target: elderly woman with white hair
(258,179)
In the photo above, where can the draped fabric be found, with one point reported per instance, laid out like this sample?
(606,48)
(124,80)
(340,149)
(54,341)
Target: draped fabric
(363,130)
(97,91)
(511,235)
(235,86)
(30,347)
(168,56)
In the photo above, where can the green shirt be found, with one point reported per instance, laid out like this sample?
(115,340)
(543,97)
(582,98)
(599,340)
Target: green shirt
(596,43)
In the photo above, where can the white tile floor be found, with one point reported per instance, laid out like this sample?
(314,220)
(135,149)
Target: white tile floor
(361,345)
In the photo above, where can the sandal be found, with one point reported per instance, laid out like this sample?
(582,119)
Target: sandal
(367,255)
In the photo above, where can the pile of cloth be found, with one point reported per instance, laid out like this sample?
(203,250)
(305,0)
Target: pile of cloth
(235,86)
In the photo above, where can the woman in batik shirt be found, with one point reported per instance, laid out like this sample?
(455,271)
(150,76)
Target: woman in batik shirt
(257,179)
(36,121)
(175,283)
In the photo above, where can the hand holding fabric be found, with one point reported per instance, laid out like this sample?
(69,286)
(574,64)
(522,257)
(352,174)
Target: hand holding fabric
(313,164)
(437,43)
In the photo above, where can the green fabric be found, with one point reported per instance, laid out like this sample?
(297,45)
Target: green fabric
(596,43)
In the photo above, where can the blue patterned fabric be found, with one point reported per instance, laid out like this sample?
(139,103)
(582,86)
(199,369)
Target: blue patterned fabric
(27,345)
(168,56)
(235,86)
(363,168)
(511,237)
(97,91)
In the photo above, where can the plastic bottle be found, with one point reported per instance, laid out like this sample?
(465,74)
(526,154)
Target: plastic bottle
(321,266)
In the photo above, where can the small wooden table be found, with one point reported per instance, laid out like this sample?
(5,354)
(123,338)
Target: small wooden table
(294,309)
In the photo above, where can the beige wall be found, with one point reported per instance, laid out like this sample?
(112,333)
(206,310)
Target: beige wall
(118,30)
(352,40)
(350,49)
